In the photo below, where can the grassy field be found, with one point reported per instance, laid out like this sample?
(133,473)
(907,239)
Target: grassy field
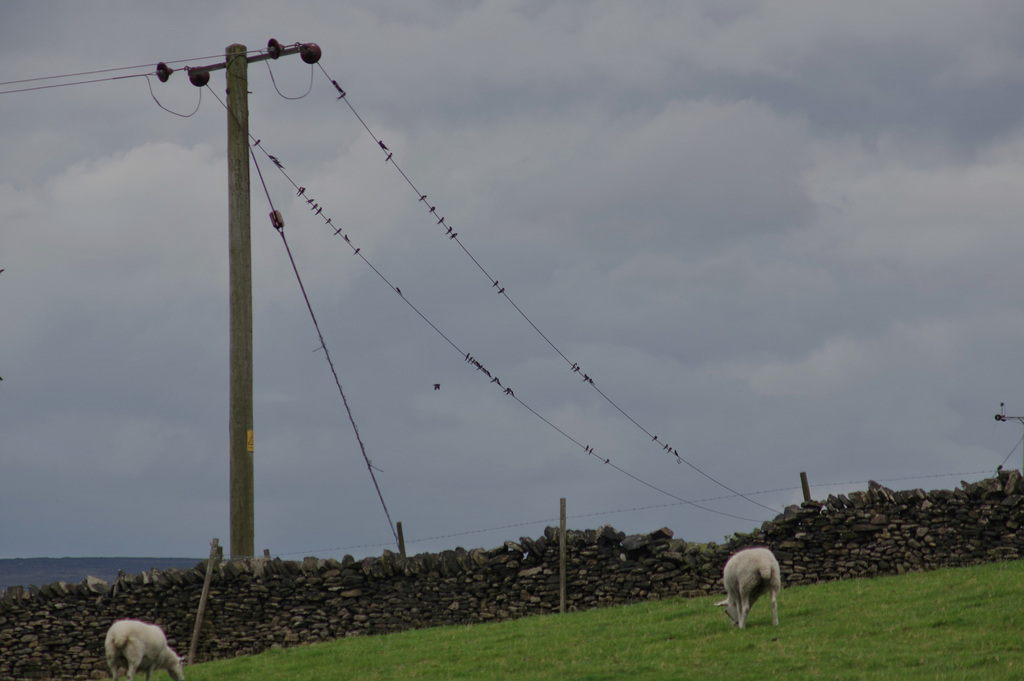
(963,623)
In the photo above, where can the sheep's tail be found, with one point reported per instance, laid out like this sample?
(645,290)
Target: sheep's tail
(118,639)
(770,575)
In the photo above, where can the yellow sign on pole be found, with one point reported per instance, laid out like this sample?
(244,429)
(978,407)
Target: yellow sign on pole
(249,443)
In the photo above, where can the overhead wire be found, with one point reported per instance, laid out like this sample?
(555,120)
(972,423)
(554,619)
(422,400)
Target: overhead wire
(284,96)
(279,226)
(318,210)
(389,158)
(80,82)
(454,236)
(189,115)
(96,72)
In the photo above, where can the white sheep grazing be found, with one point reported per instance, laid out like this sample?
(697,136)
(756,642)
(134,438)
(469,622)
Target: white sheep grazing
(136,646)
(748,574)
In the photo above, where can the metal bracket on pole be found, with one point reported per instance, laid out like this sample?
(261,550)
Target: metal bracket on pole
(1001,416)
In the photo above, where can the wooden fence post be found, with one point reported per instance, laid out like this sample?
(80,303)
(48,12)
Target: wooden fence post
(401,541)
(215,552)
(561,557)
(806,487)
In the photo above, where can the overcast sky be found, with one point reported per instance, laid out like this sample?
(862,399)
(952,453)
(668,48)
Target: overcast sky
(779,236)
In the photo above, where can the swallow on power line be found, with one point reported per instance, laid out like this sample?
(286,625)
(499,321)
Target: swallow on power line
(454,234)
(495,283)
(495,380)
(423,198)
(382,145)
(432,209)
(501,290)
(441,221)
(338,231)
(355,252)
(398,290)
(389,157)
(302,190)
(508,391)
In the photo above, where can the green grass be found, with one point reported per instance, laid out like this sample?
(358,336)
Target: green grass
(963,623)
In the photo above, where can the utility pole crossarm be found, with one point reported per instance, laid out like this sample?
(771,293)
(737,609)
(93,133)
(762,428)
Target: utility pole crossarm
(200,75)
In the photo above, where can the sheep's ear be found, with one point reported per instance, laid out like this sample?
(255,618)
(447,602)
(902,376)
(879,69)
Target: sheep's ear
(722,602)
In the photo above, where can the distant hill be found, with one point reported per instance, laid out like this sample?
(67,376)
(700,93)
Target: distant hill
(39,571)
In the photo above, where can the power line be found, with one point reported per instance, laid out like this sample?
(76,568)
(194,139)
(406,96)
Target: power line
(153,71)
(278,223)
(574,367)
(318,210)
(92,73)
(81,82)
(198,103)
(165,72)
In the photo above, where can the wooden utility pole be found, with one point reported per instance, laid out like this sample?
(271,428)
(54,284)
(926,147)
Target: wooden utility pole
(240,436)
(241,446)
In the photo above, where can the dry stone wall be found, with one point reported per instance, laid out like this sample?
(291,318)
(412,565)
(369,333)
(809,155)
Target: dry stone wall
(56,631)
